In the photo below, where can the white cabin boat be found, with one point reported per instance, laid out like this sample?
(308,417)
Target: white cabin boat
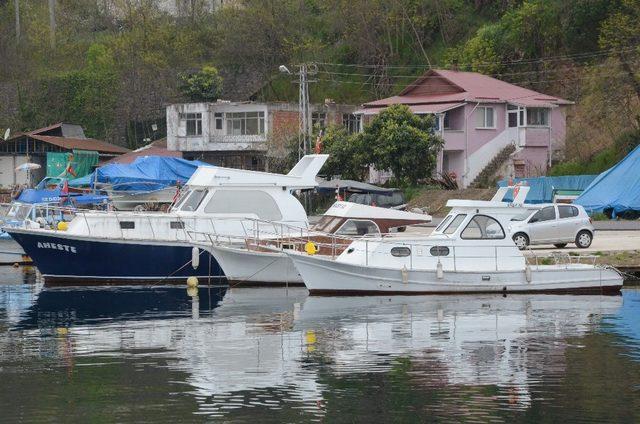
(469,252)
(118,247)
(259,259)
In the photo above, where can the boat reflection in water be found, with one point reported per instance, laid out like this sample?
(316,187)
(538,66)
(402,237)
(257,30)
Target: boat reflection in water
(273,348)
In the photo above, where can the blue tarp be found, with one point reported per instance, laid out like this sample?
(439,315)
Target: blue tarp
(542,188)
(617,188)
(145,173)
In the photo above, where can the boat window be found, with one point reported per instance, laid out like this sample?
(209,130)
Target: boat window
(127,225)
(482,227)
(328,224)
(439,251)
(358,227)
(183,195)
(400,252)
(455,223)
(176,225)
(567,211)
(246,202)
(193,201)
(544,214)
(444,222)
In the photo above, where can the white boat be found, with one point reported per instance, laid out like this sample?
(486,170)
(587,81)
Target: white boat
(259,259)
(469,252)
(119,247)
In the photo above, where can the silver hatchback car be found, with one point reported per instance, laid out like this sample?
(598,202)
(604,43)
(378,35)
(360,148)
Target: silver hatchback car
(556,224)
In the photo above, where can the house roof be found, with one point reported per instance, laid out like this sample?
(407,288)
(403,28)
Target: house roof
(155,148)
(80,143)
(444,86)
(416,108)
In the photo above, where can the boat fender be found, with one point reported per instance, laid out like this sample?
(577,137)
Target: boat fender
(439,271)
(195,257)
(192,282)
(527,273)
(405,274)
(63,226)
(310,248)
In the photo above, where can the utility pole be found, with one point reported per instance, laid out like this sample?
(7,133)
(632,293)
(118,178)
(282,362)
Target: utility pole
(304,108)
(16,6)
(52,22)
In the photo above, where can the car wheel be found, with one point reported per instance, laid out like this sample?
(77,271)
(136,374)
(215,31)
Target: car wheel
(560,245)
(584,239)
(521,240)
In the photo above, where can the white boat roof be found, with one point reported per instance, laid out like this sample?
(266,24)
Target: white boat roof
(356,210)
(497,201)
(302,176)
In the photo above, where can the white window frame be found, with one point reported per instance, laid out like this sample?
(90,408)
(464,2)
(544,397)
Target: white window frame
(483,110)
(196,117)
(241,118)
(530,111)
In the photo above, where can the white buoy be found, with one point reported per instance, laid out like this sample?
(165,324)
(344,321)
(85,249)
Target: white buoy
(192,282)
(195,257)
(439,271)
(527,273)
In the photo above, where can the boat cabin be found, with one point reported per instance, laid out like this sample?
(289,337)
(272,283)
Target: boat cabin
(466,240)
(354,219)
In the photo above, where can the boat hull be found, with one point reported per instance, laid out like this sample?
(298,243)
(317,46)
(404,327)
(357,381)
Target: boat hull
(256,268)
(68,259)
(324,276)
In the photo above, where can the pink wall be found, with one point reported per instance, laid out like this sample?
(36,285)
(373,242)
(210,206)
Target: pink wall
(479,137)
(558,127)
(536,137)
(535,159)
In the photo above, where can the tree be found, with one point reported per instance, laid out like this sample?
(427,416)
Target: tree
(347,158)
(202,86)
(402,142)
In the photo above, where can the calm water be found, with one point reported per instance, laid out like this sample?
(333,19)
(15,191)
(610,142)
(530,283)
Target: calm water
(272,355)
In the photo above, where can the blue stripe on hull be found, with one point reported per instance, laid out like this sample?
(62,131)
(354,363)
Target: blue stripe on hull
(70,259)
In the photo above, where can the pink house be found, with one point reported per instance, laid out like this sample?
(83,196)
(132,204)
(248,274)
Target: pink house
(481,119)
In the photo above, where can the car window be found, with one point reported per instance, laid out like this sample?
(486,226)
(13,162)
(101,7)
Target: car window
(567,211)
(455,223)
(483,227)
(544,214)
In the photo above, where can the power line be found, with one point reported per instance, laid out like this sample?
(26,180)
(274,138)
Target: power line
(584,55)
(498,74)
(400,84)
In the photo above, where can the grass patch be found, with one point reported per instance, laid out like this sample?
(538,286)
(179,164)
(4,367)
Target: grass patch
(599,217)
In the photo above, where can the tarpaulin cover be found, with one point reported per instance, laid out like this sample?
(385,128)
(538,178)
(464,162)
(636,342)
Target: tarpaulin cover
(617,188)
(82,162)
(542,188)
(144,174)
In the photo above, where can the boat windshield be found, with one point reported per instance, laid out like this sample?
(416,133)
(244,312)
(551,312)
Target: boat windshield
(192,202)
(444,222)
(455,223)
(328,223)
(19,211)
(358,227)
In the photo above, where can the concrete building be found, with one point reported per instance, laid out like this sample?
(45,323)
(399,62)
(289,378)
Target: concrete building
(245,135)
(483,120)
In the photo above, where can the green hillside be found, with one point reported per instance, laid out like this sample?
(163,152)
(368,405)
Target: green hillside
(112,66)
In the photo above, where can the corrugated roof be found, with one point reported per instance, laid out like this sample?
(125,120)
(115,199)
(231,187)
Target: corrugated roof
(418,109)
(80,144)
(473,87)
